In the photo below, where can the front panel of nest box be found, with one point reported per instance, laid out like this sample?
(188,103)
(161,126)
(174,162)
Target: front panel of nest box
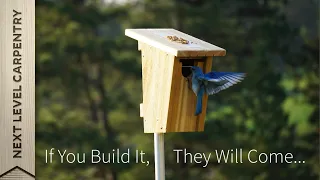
(182,102)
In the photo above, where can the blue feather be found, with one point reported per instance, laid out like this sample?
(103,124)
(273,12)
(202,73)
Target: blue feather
(199,101)
(212,83)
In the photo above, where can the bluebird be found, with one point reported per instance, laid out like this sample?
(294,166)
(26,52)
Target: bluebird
(211,83)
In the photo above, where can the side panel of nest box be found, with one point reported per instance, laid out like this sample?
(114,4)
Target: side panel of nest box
(157,69)
(168,102)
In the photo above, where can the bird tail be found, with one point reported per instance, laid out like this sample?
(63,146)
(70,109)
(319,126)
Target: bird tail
(199,101)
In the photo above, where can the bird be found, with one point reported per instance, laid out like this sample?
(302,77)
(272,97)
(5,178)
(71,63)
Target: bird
(211,83)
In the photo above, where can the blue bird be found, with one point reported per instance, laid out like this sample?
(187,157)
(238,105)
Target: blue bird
(211,83)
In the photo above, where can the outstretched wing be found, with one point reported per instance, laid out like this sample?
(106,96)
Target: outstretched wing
(217,81)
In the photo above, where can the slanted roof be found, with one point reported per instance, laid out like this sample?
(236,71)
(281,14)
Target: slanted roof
(158,38)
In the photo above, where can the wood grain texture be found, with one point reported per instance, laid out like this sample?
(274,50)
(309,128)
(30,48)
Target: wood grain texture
(182,104)
(158,38)
(19,166)
(168,103)
(157,67)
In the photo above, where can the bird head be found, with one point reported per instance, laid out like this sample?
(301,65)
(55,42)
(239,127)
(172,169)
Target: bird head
(195,69)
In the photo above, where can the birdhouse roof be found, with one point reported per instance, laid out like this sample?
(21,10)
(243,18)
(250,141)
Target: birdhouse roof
(175,42)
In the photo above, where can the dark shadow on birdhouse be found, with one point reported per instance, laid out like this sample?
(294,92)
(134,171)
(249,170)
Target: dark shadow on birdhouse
(186,62)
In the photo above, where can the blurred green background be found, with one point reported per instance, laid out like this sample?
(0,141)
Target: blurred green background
(88,85)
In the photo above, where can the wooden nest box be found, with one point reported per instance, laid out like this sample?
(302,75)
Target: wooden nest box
(168,100)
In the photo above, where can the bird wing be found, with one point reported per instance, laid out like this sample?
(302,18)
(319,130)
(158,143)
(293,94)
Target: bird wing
(217,81)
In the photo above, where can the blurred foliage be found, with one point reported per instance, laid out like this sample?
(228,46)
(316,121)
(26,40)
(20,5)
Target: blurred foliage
(89,86)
